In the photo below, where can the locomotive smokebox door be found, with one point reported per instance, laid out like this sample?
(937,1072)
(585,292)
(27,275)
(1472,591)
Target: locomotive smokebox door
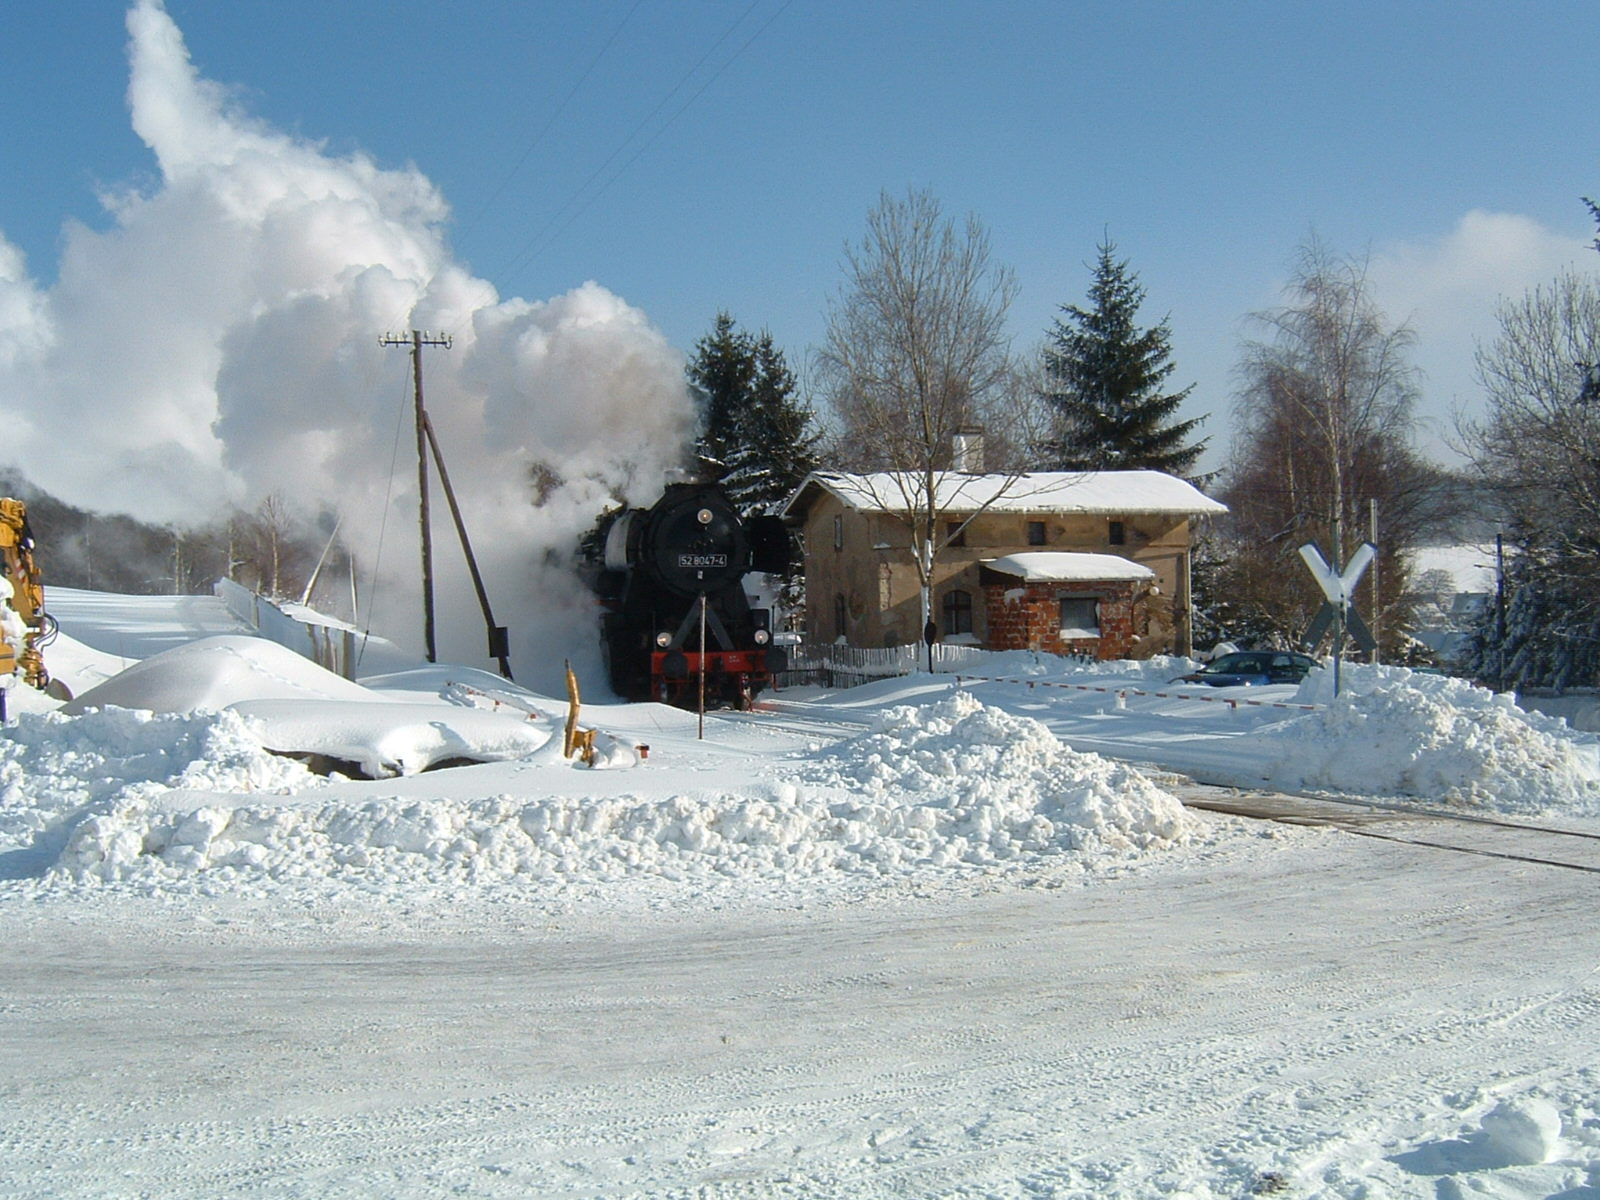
(769,545)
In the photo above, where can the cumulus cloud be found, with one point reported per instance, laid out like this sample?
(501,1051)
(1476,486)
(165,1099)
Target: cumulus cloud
(1448,288)
(219,342)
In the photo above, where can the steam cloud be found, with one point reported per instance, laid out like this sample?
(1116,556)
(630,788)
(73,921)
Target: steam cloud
(219,342)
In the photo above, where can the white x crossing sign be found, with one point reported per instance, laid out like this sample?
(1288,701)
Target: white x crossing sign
(1338,586)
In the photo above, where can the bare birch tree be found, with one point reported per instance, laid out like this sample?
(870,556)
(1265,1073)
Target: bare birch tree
(916,352)
(1324,419)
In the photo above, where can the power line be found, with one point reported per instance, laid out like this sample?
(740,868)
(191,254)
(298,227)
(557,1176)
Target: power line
(555,227)
(550,121)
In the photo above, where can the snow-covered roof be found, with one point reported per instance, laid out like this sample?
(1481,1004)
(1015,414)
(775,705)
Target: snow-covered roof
(1113,493)
(1061,566)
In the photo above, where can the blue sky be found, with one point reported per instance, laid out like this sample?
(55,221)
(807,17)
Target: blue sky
(699,156)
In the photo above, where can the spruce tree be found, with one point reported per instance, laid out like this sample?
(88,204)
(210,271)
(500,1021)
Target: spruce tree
(722,376)
(757,439)
(1104,378)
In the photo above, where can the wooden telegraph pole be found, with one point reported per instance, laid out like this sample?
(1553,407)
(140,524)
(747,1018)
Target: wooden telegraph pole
(417,341)
(499,640)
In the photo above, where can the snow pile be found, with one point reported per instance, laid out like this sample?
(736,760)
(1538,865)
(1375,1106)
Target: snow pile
(214,672)
(952,785)
(301,708)
(1522,1131)
(960,781)
(1397,732)
(383,738)
(56,770)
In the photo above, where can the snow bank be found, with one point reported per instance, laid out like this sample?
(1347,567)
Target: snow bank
(58,770)
(1037,664)
(1393,731)
(383,738)
(979,784)
(215,672)
(951,785)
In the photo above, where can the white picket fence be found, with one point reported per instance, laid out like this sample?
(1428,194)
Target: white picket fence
(833,666)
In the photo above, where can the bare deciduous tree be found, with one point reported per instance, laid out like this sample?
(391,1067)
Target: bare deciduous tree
(916,353)
(1537,443)
(1538,451)
(1323,429)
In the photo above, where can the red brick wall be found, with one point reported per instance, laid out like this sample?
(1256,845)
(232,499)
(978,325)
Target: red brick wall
(1028,617)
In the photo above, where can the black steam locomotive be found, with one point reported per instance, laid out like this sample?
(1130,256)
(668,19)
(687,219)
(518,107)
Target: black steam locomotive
(675,606)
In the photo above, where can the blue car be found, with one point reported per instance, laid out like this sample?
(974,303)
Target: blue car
(1252,668)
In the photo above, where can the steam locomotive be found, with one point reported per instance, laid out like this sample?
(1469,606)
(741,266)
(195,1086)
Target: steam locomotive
(672,588)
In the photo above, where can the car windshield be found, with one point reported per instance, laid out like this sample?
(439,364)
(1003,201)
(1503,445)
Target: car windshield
(1237,664)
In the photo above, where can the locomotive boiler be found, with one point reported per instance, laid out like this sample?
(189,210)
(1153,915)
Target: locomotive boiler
(676,616)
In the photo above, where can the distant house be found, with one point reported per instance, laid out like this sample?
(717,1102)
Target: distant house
(1452,586)
(1091,563)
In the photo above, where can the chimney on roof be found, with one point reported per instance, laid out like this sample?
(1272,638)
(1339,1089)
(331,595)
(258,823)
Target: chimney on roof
(966,447)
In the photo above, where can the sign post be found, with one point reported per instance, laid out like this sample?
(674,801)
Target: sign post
(1339,586)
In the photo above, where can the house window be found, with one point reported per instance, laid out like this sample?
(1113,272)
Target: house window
(841,626)
(1035,533)
(957,612)
(1080,617)
(838,532)
(955,533)
(1117,535)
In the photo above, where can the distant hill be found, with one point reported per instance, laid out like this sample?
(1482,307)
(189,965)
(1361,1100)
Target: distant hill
(114,552)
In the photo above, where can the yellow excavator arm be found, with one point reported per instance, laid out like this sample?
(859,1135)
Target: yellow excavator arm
(21,571)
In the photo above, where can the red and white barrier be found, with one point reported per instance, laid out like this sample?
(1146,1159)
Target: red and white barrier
(1233,702)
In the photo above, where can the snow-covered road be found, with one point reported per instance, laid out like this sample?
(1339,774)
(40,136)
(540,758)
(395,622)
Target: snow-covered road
(900,941)
(1301,1006)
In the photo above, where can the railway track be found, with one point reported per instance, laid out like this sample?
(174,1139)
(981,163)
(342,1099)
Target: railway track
(1400,821)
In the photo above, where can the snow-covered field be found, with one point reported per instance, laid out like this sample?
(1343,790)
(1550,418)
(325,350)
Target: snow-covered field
(913,939)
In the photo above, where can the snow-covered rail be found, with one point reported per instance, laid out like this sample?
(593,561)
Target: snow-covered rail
(1413,824)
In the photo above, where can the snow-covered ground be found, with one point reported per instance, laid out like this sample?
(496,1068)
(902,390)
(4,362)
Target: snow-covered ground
(926,937)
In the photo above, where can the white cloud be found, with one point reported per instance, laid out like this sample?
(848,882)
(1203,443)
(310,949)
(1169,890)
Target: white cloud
(1448,289)
(220,341)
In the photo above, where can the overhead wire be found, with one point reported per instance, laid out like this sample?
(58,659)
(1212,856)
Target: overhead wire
(383,525)
(556,226)
(549,123)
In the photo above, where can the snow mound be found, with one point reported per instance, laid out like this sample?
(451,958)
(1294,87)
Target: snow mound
(954,785)
(56,770)
(1436,738)
(383,738)
(985,785)
(1524,1130)
(214,673)
(1038,664)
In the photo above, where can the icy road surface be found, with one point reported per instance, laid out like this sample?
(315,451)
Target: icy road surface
(1294,1012)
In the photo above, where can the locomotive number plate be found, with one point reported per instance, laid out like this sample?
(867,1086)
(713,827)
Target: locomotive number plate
(697,561)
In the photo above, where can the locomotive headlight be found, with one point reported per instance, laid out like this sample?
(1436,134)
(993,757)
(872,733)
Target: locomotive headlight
(663,639)
(703,516)
(762,637)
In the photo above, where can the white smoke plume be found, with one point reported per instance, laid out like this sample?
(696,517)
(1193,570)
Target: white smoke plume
(219,343)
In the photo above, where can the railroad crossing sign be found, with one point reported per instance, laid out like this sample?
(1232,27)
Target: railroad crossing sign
(1339,587)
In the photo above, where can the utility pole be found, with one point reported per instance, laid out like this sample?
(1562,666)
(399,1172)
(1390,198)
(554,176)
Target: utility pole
(1377,612)
(417,341)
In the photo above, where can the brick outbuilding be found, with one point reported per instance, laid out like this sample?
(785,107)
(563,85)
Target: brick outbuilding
(1096,605)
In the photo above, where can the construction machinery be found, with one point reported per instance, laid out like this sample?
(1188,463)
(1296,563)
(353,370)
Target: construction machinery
(25,627)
